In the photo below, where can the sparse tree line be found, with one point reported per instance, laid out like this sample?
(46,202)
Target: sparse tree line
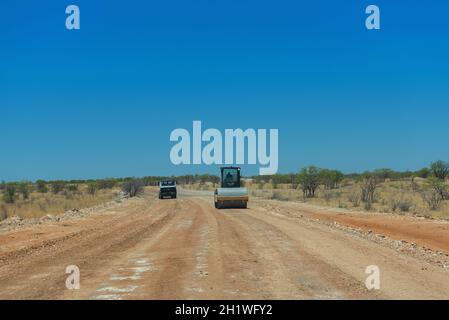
(130,186)
(15,190)
(308,179)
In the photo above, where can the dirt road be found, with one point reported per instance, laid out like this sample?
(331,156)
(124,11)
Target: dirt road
(186,249)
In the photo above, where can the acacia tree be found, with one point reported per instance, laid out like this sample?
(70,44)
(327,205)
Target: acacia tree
(330,178)
(309,178)
(439,169)
(385,173)
(368,187)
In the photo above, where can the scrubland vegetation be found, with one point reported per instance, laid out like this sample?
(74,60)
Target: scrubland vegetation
(28,200)
(36,199)
(424,192)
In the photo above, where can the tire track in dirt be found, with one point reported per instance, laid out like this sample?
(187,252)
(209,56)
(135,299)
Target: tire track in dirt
(280,268)
(167,265)
(402,277)
(311,277)
(41,275)
(173,256)
(207,279)
(186,249)
(262,262)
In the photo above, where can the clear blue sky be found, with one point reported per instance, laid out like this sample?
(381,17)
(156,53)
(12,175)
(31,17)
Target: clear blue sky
(103,100)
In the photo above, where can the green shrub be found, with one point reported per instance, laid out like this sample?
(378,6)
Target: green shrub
(439,169)
(106,183)
(330,178)
(24,190)
(57,186)
(41,186)
(72,187)
(9,194)
(91,188)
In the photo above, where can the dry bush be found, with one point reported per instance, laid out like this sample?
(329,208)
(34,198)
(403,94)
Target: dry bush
(401,205)
(433,198)
(207,187)
(72,188)
(368,205)
(68,195)
(41,204)
(434,193)
(342,205)
(133,188)
(3,212)
(279,195)
(42,207)
(328,196)
(262,194)
(368,187)
(355,197)
(414,186)
(92,188)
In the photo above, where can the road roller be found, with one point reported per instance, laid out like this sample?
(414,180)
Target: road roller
(231,194)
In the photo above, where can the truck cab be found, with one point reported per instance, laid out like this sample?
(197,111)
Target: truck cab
(167,189)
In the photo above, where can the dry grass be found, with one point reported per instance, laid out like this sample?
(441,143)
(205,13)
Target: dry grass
(207,186)
(391,196)
(41,204)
